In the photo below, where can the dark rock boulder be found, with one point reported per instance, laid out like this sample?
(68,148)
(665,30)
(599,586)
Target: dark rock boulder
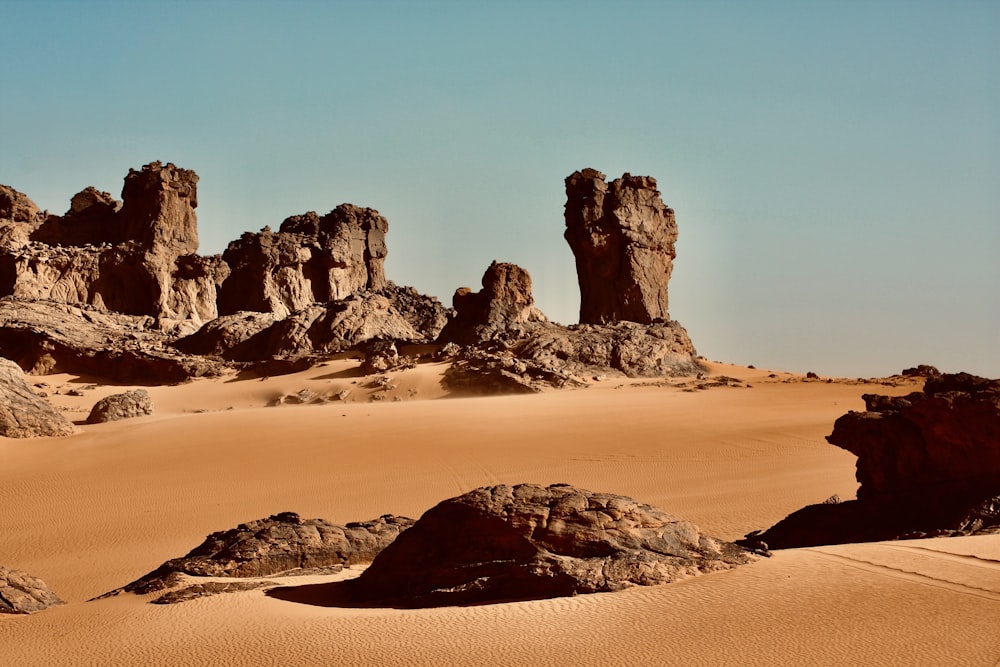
(131,404)
(530,542)
(928,464)
(504,303)
(622,236)
(278,545)
(23,413)
(21,593)
(311,259)
(948,432)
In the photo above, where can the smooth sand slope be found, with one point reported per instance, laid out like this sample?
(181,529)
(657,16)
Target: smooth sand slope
(91,512)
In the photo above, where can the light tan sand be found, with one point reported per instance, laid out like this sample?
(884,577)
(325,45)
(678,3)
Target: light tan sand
(91,512)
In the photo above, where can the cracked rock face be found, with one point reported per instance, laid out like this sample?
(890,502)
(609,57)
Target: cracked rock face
(622,235)
(531,542)
(310,259)
(21,593)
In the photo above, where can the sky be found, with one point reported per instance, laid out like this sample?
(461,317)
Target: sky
(834,166)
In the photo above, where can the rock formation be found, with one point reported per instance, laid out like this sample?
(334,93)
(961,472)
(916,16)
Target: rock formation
(135,258)
(131,404)
(504,303)
(23,413)
(622,236)
(530,542)
(392,313)
(949,432)
(21,593)
(928,464)
(311,259)
(51,337)
(278,545)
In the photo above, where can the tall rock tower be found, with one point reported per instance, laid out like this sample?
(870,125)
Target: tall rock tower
(622,235)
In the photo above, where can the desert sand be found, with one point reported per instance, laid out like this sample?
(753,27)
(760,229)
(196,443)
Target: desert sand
(93,511)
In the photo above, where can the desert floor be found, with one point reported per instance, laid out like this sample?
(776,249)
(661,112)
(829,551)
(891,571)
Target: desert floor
(93,511)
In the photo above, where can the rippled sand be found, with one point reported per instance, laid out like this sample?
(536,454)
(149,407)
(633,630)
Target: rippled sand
(91,512)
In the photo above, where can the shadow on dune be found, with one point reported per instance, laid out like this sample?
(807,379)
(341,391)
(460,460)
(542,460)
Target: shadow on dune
(340,594)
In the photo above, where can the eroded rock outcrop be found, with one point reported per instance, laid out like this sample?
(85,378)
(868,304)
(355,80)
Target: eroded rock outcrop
(281,544)
(531,542)
(949,432)
(622,236)
(500,308)
(51,337)
(136,257)
(928,464)
(131,404)
(310,259)
(21,593)
(23,413)
(391,313)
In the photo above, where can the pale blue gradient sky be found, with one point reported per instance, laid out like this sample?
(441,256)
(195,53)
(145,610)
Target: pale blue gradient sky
(834,166)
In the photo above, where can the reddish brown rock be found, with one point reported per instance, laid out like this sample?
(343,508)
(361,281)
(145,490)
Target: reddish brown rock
(530,542)
(949,432)
(504,303)
(928,464)
(622,236)
(311,259)
(136,258)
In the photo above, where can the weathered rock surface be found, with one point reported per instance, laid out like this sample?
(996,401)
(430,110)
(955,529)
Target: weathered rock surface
(948,432)
(135,258)
(541,355)
(622,236)
(391,313)
(530,542)
(23,413)
(928,464)
(281,544)
(52,337)
(311,259)
(21,593)
(504,303)
(131,404)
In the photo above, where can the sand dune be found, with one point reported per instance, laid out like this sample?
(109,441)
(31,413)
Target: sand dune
(91,512)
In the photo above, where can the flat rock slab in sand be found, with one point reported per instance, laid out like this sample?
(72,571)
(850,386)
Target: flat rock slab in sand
(278,545)
(21,593)
(531,542)
(23,413)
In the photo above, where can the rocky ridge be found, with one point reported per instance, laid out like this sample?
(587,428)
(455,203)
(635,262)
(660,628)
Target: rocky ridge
(116,289)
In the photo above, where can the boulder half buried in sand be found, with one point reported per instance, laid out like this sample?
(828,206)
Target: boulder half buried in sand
(281,544)
(21,593)
(531,542)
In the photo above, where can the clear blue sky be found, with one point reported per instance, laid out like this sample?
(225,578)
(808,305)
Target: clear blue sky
(834,166)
